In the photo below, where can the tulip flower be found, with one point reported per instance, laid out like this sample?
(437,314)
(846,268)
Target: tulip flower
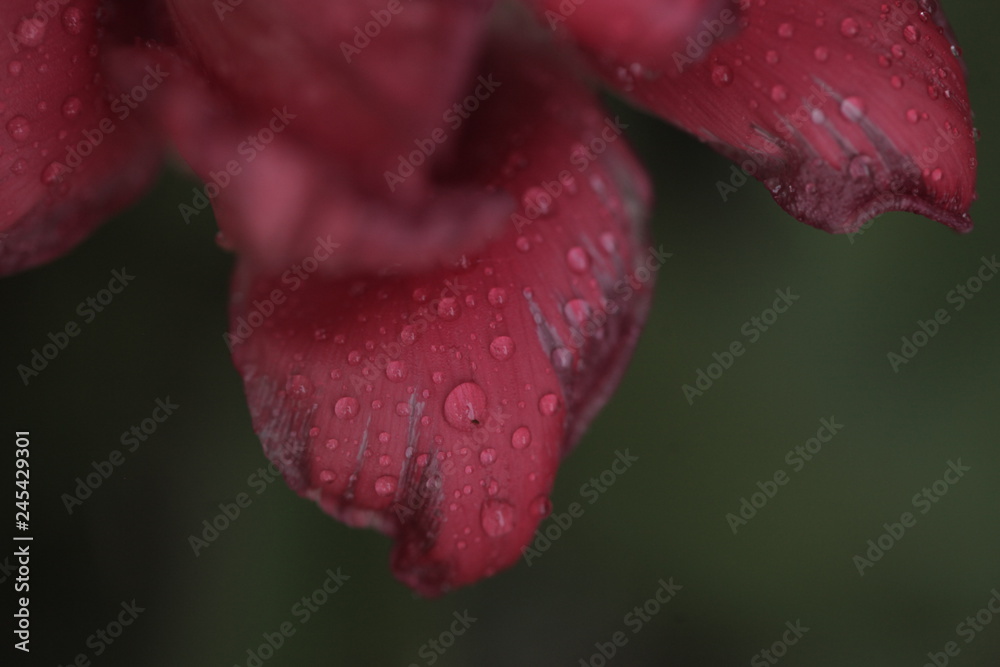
(443,264)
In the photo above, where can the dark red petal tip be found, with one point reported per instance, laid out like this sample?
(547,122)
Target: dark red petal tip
(436,407)
(843,109)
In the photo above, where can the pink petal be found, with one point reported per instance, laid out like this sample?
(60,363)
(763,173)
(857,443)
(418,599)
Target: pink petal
(436,407)
(70,154)
(843,109)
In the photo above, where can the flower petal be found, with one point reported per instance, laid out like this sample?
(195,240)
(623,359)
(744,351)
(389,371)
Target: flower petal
(365,78)
(68,157)
(622,32)
(843,109)
(436,407)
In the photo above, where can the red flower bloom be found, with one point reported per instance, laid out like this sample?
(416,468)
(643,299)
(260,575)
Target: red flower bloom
(443,265)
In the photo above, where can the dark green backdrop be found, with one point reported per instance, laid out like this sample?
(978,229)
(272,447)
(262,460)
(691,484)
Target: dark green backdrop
(664,518)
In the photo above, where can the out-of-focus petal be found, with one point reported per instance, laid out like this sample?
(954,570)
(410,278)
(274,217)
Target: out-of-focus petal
(71,153)
(843,109)
(622,32)
(437,407)
(365,78)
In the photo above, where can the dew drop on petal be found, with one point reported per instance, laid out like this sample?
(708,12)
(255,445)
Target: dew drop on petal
(502,348)
(385,485)
(30,32)
(298,386)
(488,456)
(821,53)
(497,297)
(447,309)
(326,476)
(548,404)
(541,506)
(395,371)
(578,259)
(497,518)
(19,128)
(465,406)
(521,438)
(853,109)
(786,30)
(850,27)
(346,408)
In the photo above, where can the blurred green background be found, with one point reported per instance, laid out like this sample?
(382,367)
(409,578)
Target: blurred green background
(664,518)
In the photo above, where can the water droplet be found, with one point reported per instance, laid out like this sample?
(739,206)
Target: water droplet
(853,109)
(488,456)
(821,53)
(19,128)
(332,444)
(53,173)
(30,31)
(608,243)
(577,311)
(578,259)
(771,57)
(562,358)
(722,75)
(71,107)
(420,295)
(541,506)
(438,377)
(298,386)
(497,518)
(896,81)
(521,438)
(817,116)
(913,115)
(403,409)
(911,34)
(395,371)
(326,476)
(447,309)
(346,408)
(72,20)
(407,335)
(937,175)
(497,297)
(354,357)
(502,348)
(465,406)
(779,93)
(548,404)
(385,485)
(20,166)
(522,243)
(786,30)
(933,92)
(538,203)
(849,27)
